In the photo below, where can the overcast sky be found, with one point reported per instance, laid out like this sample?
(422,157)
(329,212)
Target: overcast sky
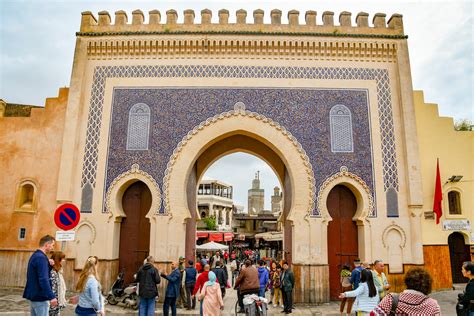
(37,39)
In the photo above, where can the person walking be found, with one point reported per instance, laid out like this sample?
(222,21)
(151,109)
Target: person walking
(148,278)
(365,294)
(270,281)
(412,301)
(247,283)
(172,289)
(226,257)
(214,259)
(201,280)
(189,281)
(213,303)
(380,280)
(222,276)
(356,274)
(466,308)
(263,278)
(287,285)
(277,295)
(181,302)
(38,289)
(90,297)
(346,286)
(57,282)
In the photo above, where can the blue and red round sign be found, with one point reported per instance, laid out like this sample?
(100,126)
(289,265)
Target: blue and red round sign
(67,216)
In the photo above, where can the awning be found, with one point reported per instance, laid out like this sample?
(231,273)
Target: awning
(228,236)
(215,237)
(202,234)
(270,236)
(211,246)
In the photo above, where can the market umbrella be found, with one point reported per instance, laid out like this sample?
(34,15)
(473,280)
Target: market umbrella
(211,246)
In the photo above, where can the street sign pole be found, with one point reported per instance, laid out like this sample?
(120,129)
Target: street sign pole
(63,246)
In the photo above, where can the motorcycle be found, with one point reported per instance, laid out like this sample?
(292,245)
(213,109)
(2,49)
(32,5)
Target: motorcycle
(119,294)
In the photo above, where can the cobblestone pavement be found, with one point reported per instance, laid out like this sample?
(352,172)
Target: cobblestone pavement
(11,303)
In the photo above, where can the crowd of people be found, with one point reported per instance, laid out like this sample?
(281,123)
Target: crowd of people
(366,289)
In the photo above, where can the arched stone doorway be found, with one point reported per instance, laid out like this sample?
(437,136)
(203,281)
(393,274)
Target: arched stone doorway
(459,253)
(232,143)
(135,229)
(342,234)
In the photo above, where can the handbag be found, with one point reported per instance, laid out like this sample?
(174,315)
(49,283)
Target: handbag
(393,309)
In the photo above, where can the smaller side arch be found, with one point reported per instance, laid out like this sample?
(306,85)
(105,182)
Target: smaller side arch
(26,196)
(365,203)
(86,234)
(113,202)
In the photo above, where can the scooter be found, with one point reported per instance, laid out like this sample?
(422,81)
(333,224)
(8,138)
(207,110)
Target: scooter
(127,295)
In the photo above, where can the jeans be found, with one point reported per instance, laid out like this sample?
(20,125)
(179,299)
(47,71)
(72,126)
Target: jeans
(189,292)
(169,302)
(39,308)
(261,292)
(287,300)
(200,307)
(146,307)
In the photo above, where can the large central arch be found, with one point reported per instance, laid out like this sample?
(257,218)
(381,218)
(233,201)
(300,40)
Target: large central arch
(238,130)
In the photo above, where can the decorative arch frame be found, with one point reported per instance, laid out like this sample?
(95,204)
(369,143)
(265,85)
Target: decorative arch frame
(197,140)
(139,120)
(446,201)
(91,226)
(399,229)
(113,199)
(365,203)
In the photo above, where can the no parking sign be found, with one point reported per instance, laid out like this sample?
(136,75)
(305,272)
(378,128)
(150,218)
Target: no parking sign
(67,216)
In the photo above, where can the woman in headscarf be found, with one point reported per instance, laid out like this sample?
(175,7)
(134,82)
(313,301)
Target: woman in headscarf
(212,296)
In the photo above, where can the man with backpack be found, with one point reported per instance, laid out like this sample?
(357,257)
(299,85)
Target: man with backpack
(221,276)
(148,278)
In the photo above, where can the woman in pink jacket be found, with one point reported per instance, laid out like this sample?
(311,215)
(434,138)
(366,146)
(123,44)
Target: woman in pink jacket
(212,296)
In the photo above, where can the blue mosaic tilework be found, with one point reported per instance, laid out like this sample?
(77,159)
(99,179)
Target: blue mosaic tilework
(303,112)
(389,161)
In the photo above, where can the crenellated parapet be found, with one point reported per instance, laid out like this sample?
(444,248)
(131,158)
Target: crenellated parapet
(166,35)
(103,24)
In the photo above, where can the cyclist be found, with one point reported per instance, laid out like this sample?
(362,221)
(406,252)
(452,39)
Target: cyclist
(247,283)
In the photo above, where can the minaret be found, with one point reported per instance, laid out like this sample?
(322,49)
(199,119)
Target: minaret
(256,196)
(276,200)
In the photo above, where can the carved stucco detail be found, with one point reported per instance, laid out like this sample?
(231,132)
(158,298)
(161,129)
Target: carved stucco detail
(398,229)
(86,222)
(344,172)
(239,110)
(134,174)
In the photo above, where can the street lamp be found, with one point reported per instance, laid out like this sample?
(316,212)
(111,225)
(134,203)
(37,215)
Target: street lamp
(455,179)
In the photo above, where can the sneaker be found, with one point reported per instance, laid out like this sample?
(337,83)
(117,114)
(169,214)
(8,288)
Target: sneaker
(275,305)
(282,306)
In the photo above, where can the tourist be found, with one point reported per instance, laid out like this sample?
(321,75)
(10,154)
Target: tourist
(412,301)
(234,268)
(211,295)
(276,283)
(380,280)
(172,289)
(201,280)
(247,282)
(356,274)
(365,294)
(263,278)
(204,261)
(214,259)
(91,301)
(181,301)
(57,282)
(148,278)
(38,289)
(287,285)
(464,306)
(222,276)
(346,286)
(189,281)
(270,280)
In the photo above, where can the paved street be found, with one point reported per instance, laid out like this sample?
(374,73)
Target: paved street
(11,303)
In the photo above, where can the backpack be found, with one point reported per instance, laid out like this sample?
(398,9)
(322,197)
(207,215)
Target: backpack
(393,309)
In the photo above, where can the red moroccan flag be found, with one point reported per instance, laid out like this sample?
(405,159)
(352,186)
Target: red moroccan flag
(438,195)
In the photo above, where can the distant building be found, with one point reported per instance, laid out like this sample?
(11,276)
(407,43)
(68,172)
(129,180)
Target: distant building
(215,199)
(256,196)
(276,200)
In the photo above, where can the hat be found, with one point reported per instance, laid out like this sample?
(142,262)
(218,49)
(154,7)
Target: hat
(181,257)
(190,262)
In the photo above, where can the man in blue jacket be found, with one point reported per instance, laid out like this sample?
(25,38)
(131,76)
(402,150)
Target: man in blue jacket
(263,278)
(356,273)
(38,287)
(172,289)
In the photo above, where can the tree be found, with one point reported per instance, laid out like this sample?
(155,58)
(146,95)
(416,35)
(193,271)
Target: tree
(210,222)
(463,125)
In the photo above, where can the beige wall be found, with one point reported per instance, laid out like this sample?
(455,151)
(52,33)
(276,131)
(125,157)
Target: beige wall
(30,148)
(455,150)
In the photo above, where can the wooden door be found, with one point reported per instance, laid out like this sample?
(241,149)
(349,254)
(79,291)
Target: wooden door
(342,235)
(459,253)
(134,230)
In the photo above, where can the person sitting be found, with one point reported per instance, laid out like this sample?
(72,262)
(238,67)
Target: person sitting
(247,283)
(412,301)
